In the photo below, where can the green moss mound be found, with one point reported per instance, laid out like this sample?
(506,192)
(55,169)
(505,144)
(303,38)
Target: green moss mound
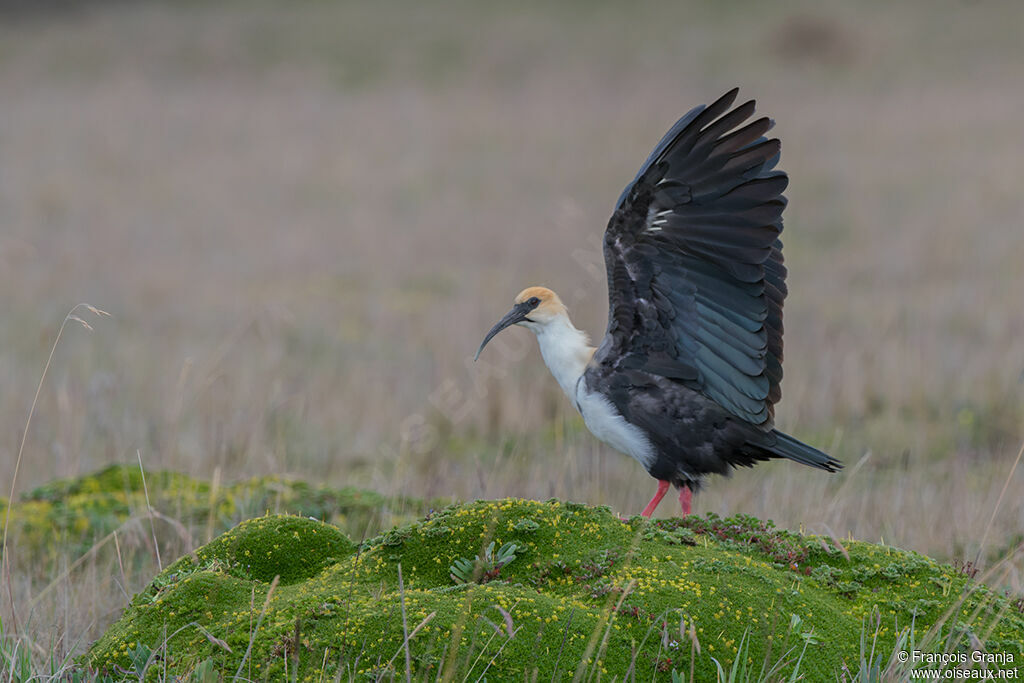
(289,548)
(586,591)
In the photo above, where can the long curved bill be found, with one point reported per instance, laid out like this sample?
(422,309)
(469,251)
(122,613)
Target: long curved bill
(516,315)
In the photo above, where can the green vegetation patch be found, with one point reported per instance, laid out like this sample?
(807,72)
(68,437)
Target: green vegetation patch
(289,548)
(584,591)
(76,514)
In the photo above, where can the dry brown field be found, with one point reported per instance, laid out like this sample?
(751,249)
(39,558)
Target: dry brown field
(303,217)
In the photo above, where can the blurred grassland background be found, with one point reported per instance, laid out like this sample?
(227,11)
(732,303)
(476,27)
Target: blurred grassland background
(303,217)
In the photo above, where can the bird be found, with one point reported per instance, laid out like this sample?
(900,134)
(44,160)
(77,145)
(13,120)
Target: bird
(688,373)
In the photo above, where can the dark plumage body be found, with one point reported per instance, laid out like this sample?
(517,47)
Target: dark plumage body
(692,435)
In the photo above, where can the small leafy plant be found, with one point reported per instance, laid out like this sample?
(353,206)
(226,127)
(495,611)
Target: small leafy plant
(487,566)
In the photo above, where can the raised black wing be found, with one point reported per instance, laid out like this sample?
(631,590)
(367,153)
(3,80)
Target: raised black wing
(696,279)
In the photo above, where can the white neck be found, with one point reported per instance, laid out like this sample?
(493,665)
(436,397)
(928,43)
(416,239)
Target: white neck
(566,352)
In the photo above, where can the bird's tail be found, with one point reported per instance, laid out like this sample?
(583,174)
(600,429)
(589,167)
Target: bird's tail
(786,446)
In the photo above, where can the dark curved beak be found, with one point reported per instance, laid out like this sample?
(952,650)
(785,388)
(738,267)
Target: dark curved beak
(516,315)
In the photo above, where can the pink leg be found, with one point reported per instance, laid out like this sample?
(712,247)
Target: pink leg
(662,489)
(685,497)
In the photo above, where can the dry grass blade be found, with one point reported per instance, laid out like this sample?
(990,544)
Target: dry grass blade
(82,322)
(175,524)
(120,567)
(405,626)
(93,549)
(837,544)
(255,631)
(447,670)
(214,639)
(482,677)
(848,479)
(509,625)
(149,509)
(21,451)
(605,623)
(999,502)
(694,646)
(662,624)
(565,639)
(211,517)
(483,650)
(412,634)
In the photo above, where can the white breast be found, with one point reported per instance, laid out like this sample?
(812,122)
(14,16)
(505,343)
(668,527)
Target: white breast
(609,426)
(566,352)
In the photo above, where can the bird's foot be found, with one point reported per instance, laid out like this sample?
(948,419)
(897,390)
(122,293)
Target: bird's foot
(662,489)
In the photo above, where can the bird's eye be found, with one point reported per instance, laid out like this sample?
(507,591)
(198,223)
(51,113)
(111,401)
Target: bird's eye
(533,302)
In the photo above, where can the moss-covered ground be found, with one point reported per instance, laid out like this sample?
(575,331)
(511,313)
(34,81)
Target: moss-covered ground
(71,516)
(586,592)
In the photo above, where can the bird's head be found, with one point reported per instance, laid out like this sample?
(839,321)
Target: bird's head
(534,308)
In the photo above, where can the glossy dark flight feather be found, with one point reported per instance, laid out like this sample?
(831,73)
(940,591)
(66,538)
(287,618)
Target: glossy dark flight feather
(690,367)
(696,283)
